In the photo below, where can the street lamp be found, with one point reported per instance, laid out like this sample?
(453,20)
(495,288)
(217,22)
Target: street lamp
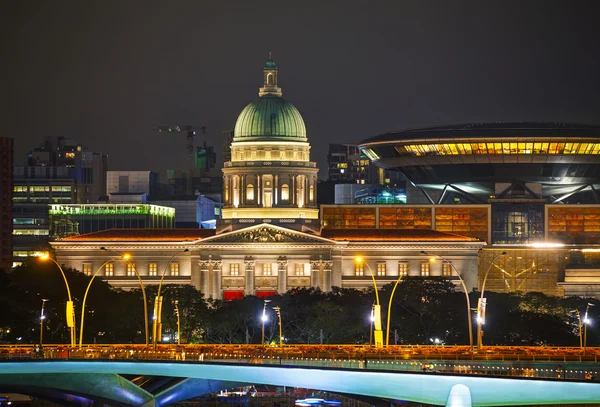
(264,319)
(377,306)
(278,310)
(389,315)
(371,321)
(464,286)
(42,318)
(127,257)
(178,322)
(481,304)
(157,315)
(70,310)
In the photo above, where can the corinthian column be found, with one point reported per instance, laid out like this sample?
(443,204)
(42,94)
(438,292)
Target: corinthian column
(282,271)
(250,263)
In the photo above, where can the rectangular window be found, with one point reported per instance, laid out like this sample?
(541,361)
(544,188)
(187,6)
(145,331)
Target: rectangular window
(130,269)
(447,269)
(234,269)
(425,269)
(174,267)
(299,269)
(109,269)
(267,269)
(359,270)
(381,269)
(402,269)
(152,269)
(87,269)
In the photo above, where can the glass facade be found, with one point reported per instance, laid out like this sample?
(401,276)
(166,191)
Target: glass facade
(517,223)
(551,148)
(526,270)
(471,222)
(349,218)
(405,218)
(575,224)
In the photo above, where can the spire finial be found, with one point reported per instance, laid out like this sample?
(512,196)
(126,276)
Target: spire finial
(270,55)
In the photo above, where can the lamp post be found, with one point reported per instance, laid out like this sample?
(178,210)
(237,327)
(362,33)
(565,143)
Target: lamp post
(389,315)
(264,319)
(278,310)
(464,286)
(481,304)
(70,310)
(127,257)
(377,307)
(586,321)
(371,321)
(42,318)
(178,322)
(157,315)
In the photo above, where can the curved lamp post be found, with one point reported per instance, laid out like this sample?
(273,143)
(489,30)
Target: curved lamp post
(157,315)
(85,299)
(125,257)
(583,326)
(377,322)
(278,310)
(70,309)
(389,315)
(464,286)
(481,304)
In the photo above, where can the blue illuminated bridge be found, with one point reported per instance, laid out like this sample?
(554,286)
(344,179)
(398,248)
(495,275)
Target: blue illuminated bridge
(128,377)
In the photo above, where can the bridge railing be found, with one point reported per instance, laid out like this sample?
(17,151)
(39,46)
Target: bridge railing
(569,367)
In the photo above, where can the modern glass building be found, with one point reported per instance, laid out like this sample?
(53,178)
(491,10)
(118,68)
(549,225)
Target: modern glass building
(70,220)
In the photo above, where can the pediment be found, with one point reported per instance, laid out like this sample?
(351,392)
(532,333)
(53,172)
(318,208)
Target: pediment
(266,233)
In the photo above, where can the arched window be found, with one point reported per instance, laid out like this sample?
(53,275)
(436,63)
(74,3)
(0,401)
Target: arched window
(226,193)
(311,193)
(285,192)
(270,79)
(250,192)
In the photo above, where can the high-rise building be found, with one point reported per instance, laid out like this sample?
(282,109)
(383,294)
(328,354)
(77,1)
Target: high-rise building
(6,187)
(270,175)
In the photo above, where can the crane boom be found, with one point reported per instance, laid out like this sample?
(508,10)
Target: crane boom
(191,132)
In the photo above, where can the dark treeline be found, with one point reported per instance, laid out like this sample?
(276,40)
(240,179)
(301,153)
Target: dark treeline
(423,309)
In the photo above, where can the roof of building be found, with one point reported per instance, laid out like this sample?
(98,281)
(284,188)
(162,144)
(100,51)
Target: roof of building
(175,235)
(270,116)
(489,130)
(394,235)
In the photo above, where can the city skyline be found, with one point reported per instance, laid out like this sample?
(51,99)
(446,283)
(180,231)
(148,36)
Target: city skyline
(130,68)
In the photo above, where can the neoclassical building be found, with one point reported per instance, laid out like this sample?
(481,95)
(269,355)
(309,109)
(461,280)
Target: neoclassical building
(270,238)
(270,177)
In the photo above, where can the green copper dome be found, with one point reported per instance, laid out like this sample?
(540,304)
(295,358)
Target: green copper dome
(270,117)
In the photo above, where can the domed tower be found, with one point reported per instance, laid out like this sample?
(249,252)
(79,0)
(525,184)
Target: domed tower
(270,176)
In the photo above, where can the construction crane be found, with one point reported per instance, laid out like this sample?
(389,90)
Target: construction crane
(191,132)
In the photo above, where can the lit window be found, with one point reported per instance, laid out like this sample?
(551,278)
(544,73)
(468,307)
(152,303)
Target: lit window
(234,269)
(299,269)
(87,269)
(381,269)
(109,269)
(152,269)
(130,269)
(359,270)
(446,269)
(285,192)
(174,269)
(311,193)
(250,192)
(267,269)
(402,269)
(425,269)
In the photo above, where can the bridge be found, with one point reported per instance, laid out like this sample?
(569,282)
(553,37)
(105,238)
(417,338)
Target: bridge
(135,376)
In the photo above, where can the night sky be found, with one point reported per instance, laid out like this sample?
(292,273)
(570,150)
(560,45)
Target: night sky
(105,72)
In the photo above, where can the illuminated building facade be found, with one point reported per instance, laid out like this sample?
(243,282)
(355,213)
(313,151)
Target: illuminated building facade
(266,259)
(270,176)
(6,187)
(69,220)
